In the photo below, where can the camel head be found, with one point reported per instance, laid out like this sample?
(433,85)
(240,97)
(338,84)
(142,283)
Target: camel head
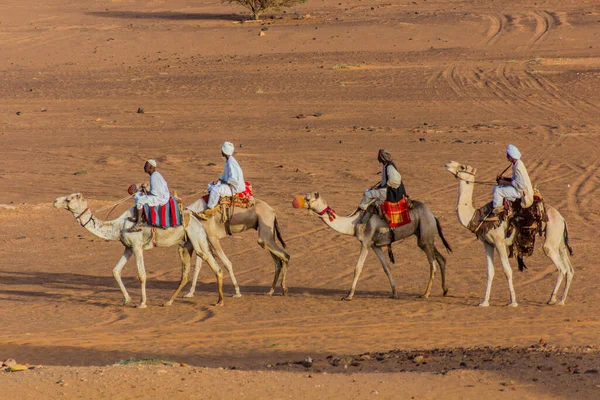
(74,203)
(311,201)
(462,172)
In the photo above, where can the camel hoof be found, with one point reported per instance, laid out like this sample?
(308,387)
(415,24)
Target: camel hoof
(445,292)
(424,296)
(561,303)
(284,291)
(126,302)
(269,293)
(188,295)
(167,303)
(551,302)
(219,304)
(142,305)
(484,304)
(237,295)
(346,298)
(394,296)
(513,304)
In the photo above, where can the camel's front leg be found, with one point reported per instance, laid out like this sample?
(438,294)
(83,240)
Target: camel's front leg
(139,259)
(221,254)
(386,269)
(489,263)
(508,273)
(185,254)
(197,268)
(364,250)
(117,274)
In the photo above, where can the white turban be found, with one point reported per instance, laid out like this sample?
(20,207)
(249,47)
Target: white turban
(513,152)
(228,148)
(152,162)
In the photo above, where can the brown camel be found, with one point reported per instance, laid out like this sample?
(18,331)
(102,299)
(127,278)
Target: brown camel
(423,224)
(261,217)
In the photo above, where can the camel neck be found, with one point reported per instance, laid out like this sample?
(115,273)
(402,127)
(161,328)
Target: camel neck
(343,225)
(464,207)
(108,230)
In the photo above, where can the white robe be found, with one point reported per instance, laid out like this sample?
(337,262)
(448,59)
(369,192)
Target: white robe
(231,182)
(157,195)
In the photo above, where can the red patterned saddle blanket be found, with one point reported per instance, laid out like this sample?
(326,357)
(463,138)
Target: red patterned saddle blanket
(396,213)
(243,199)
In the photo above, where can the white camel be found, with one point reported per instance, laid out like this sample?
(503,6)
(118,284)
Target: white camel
(262,218)
(556,242)
(192,236)
(423,224)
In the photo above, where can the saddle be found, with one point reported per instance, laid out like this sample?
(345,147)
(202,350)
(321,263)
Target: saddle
(243,199)
(527,222)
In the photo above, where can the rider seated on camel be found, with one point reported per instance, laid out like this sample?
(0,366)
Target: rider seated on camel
(156,195)
(511,189)
(390,188)
(230,183)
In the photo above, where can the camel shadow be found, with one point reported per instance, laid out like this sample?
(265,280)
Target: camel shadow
(174,16)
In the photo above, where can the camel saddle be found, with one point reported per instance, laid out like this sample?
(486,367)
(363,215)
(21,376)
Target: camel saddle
(528,222)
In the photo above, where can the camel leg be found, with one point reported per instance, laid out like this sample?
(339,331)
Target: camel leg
(276,275)
(221,254)
(139,259)
(570,274)
(489,263)
(203,250)
(117,273)
(266,240)
(441,261)
(386,269)
(364,250)
(431,259)
(197,268)
(508,274)
(185,254)
(554,255)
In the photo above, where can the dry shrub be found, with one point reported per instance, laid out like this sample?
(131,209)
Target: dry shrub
(258,7)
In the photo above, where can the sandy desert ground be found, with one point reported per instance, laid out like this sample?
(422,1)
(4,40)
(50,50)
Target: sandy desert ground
(431,80)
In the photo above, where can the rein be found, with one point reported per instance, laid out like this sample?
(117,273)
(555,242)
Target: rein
(491,183)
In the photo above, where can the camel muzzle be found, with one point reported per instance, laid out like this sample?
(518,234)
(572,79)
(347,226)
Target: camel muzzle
(299,202)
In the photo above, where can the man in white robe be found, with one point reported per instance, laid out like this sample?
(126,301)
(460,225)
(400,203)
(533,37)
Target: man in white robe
(517,187)
(229,183)
(156,195)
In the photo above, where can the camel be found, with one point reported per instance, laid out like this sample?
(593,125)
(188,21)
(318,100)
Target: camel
(556,242)
(424,225)
(261,217)
(191,237)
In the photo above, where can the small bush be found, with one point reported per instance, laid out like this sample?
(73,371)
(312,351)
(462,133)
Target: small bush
(258,7)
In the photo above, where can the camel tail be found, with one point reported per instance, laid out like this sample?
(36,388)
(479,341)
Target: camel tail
(278,233)
(566,237)
(439,228)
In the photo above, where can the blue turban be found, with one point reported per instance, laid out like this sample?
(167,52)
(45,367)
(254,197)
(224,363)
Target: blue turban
(513,152)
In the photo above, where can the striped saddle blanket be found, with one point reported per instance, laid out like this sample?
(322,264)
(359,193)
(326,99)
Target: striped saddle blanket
(396,213)
(165,216)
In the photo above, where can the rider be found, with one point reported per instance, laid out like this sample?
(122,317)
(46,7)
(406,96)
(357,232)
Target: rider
(229,183)
(390,188)
(156,195)
(517,187)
